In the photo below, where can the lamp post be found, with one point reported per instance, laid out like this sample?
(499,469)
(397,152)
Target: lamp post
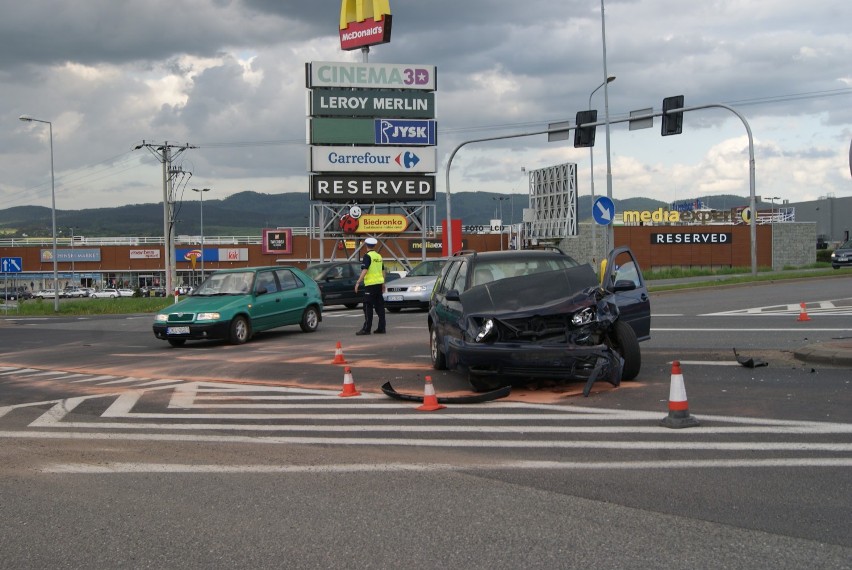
(28,119)
(609,79)
(772,206)
(610,233)
(201,192)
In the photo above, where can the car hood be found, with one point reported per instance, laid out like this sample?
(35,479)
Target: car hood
(199,304)
(412,281)
(551,292)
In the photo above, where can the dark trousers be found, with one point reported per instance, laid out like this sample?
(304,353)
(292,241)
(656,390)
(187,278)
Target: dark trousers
(373,299)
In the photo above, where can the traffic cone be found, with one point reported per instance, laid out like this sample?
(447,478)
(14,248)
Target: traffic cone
(348,384)
(678,406)
(430,400)
(803,314)
(338,355)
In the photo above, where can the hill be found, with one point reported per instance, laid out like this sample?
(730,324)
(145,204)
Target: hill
(246,213)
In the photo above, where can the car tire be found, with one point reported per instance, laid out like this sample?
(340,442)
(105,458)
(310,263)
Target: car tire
(835,267)
(240,330)
(310,319)
(177,341)
(623,341)
(350,305)
(439,360)
(394,309)
(483,383)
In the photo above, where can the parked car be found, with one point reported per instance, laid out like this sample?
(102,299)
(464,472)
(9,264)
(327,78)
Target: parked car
(106,294)
(125,292)
(336,280)
(842,256)
(518,315)
(15,293)
(415,289)
(47,294)
(73,292)
(234,304)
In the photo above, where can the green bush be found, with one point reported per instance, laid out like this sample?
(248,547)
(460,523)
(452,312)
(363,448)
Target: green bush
(824,255)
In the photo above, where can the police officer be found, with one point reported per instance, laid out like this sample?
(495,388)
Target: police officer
(373,277)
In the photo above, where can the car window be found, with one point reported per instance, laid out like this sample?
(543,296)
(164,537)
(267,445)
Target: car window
(266,280)
(426,269)
(288,280)
(449,276)
(461,277)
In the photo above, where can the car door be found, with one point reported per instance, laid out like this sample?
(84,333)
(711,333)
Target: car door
(448,309)
(624,280)
(267,307)
(293,295)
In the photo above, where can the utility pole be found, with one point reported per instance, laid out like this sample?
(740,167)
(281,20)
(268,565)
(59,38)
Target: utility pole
(165,153)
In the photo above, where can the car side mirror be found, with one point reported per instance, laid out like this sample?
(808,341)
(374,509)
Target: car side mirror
(624,285)
(452,295)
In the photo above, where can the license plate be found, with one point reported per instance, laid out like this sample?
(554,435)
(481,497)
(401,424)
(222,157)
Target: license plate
(177,330)
(394,298)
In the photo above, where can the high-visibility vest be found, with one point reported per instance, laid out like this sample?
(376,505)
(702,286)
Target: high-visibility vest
(375,275)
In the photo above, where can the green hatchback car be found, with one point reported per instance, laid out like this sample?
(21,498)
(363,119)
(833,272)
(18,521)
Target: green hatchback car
(233,304)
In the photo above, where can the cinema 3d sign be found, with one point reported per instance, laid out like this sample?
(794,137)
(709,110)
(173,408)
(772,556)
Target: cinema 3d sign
(364,23)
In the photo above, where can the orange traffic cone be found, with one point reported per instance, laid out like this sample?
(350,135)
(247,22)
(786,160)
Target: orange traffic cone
(803,314)
(338,355)
(348,384)
(430,400)
(678,406)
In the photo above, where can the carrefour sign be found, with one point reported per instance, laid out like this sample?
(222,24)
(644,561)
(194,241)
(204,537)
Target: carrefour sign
(371,75)
(387,159)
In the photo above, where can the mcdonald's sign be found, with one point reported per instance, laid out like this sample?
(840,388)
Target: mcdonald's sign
(364,23)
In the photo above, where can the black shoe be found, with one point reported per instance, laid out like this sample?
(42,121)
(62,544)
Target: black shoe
(379,331)
(361,333)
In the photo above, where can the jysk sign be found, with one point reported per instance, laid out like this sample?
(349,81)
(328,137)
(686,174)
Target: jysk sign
(410,132)
(693,238)
(345,188)
(389,159)
(402,104)
(371,75)
(364,23)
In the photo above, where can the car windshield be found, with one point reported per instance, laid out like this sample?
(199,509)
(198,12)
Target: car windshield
(427,269)
(314,271)
(493,270)
(239,283)
(847,245)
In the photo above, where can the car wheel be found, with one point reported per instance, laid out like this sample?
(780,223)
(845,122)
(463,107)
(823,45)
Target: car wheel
(350,305)
(239,330)
(394,309)
(483,383)
(310,319)
(835,267)
(439,361)
(623,341)
(177,341)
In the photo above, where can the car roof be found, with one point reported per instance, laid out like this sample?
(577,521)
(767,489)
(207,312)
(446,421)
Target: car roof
(512,254)
(244,269)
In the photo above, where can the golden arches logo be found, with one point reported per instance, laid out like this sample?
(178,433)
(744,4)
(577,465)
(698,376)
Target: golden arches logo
(364,23)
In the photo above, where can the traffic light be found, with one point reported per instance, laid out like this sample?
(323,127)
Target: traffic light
(672,124)
(585,136)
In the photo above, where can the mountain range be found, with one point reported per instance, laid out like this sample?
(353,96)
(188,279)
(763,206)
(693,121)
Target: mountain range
(247,213)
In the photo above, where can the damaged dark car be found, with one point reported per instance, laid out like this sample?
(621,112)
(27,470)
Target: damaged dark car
(513,316)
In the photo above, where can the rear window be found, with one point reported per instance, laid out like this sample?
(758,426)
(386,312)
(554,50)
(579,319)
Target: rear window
(487,271)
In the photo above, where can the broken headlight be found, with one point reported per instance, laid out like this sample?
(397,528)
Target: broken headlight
(583,317)
(485,330)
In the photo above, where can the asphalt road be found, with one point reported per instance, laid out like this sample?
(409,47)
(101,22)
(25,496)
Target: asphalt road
(121,451)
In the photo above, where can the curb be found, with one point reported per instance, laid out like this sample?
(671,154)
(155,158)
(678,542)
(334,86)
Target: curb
(832,353)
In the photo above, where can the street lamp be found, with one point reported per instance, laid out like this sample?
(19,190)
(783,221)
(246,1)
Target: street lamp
(610,233)
(609,79)
(201,192)
(772,206)
(28,119)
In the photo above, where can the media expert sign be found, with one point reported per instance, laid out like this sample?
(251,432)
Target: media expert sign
(399,104)
(364,23)
(362,188)
(416,245)
(381,223)
(277,241)
(695,238)
(410,132)
(371,75)
(394,159)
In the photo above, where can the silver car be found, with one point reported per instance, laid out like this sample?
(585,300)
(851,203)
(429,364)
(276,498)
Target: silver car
(413,290)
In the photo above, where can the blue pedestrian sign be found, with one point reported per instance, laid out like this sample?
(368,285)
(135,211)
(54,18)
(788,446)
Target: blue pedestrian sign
(11,264)
(603,210)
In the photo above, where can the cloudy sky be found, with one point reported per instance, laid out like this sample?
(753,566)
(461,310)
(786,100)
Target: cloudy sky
(227,76)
